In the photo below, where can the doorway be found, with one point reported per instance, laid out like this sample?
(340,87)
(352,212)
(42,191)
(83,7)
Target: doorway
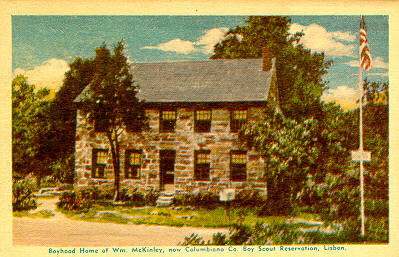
(167,169)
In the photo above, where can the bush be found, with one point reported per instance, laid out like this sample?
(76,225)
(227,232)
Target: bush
(288,234)
(82,199)
(65,187)
(376,208)
(205,200)
(248,198)
(49,182)
(22,196)
(64,170)
(134,198)
(260,234)
(76,201)
(151,198)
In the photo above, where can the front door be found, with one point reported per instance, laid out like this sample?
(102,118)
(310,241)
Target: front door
(167,168)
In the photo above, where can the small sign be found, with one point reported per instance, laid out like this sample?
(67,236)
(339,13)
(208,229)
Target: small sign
(227,195)
(361,156)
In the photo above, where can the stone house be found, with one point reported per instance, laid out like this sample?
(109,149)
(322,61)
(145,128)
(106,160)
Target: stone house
(195,110)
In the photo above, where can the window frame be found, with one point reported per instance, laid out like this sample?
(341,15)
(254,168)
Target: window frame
(236,169)
(236,124)
(129,166)
(163,126)
(202,125)
(202,168)
(96,165)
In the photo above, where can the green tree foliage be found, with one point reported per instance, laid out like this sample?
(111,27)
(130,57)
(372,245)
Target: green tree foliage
(112,101)
(375,130)
(375,137)
(298,70)
(63,118)
(290,154)
(30,126)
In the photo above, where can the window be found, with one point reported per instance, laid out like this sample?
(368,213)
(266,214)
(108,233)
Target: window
(202,164)
(132,163)
(168,121)
(202,121)
(238,165)
(99,162)
(238,118)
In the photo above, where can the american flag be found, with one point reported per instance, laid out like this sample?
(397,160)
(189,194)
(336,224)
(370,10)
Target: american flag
(365,56)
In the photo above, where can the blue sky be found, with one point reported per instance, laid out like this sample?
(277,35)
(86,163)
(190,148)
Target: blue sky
(42,46)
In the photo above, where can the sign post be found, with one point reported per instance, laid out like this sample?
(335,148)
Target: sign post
(227,195)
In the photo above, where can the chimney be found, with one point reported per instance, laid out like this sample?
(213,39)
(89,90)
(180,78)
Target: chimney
(267,59)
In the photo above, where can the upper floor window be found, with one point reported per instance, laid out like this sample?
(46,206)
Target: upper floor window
(238,165)
(167,121)
(99,162)
(238,118)
(202,121)
(132,163)
(202,164)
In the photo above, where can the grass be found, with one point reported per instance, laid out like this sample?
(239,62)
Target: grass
(43,214)
(215,218)
(45,196)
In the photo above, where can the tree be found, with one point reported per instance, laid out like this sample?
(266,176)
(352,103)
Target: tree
(290,154)
(298,70)
(63,118)
(375,130)
(112,101)
(30,111)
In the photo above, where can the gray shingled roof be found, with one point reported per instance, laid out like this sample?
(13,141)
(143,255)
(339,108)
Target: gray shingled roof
(201,81)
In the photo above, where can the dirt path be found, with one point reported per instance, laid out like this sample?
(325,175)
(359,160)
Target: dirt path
(60,231)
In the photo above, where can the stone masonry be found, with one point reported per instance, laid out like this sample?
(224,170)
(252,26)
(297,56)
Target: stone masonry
(184,141)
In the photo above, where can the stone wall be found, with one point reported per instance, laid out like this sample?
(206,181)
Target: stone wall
(184,141)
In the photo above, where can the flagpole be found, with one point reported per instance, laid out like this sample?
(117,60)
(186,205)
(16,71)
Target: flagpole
(361,142)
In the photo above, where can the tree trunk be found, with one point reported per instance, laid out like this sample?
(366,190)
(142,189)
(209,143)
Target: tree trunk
(38,179)
(115,162)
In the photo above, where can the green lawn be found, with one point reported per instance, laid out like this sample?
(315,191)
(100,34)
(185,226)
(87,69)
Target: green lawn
(183,217)
(44,214)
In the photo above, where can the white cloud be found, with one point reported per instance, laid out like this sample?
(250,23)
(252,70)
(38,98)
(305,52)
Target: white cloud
(377,62)
(343,36)
(343,95)
(50,74)
(353,63)
(211,38)
(204,43)
(175,45)
(319,40)
(382,74)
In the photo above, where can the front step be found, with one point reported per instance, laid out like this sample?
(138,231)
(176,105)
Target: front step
(165,199)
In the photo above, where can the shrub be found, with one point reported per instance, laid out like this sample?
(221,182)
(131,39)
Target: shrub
(48,182)
(248,198)
(205,200)
(22,198)
(151,198)
(134,198)
(63,170)
(376,208)
(287,234)
(76,201)
(65,187)
(260,234)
